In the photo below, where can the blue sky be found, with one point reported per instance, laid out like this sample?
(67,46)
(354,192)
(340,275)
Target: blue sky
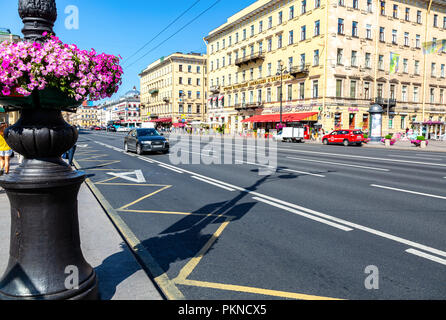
(123,26)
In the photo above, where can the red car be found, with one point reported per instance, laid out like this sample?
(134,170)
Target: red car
(345,137)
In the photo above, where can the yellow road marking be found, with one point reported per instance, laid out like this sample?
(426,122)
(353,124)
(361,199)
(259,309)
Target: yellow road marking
(110,179)
(93,157)
(131,184)
(190,266)
(266,292)
(142,198)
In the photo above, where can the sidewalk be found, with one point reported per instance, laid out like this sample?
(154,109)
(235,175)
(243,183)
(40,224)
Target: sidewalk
(120,275)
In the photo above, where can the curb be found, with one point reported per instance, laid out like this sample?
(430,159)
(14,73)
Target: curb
(163,284)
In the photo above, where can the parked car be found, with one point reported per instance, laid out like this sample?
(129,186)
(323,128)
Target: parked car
(142,140)
(111,129)
(345,137)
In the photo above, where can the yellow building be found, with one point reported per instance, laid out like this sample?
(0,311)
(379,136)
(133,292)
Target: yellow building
(173,89)
(335,58)
(85,117)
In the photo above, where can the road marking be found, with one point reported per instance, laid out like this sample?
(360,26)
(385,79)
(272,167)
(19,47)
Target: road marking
(303,214)
(168,168)
(142,198)
(408,191)
(412,157)
(328,217)
(139,176)
(176,213)
(426,256)
(340,164)
(213,183)
(236,288)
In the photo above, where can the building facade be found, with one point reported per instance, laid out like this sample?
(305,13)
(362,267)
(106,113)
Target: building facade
(327,62)
(85,117)
(125,110)
(173,90)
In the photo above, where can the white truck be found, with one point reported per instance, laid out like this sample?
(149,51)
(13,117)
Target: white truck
(290,134)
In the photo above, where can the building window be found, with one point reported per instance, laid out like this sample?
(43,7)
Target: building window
(415,94)
(317,28)
(407,15)
(380,90)
(260,47)
(339,56)
(381,34)
(280,17)
(404,94)
(419,16)
(270,44)
(304,6)
(354,62)
(368,60)
(405,65)
(244,34)
(394,36)
(403,122)
(395,11)
(338,88)
(369,6)
(392,91)
(270,22)
(268,95)
(315,89)
(289,92)
(303,33)
(435,20)
(259,95)
(354,28)
(353,89)
(417,67)
(381,62)
(251,97)
(269,69)
(444,23)
(316,58)
(432,95)
(340,26)
(406,39)
(341,3)
(391,122)
(260,26)
(368,31)
(441,96)
(279,41)
(180,67)
(260,72)
(366,90)
(230,41)
(355,4)
(302,60)
(291,13)
(442,71)
(317,3)
(383,8)
(252,31)
(290,63)
(180,80)
(301,90)
(417,41)
(236,38)
(291,37)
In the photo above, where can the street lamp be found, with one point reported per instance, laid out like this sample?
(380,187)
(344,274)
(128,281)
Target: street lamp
(280,72)
(46,261)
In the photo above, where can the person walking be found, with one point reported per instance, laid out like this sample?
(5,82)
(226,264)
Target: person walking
(5,151)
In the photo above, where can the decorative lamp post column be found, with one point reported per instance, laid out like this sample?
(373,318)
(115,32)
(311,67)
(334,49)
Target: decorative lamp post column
(46,261)
(376,117)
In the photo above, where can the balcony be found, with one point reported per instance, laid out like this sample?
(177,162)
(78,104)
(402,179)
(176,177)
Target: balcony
(154,91)
(301,71)
(250,58)
(385,102)
(215,89)
(248,105)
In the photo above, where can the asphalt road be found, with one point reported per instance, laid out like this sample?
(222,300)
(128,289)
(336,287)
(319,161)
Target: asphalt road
(313,228)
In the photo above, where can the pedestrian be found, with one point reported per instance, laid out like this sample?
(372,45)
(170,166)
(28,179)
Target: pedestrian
(5,151)
(70,155)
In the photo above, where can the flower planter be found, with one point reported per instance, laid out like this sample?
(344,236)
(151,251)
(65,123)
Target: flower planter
(423,144)
(387,143)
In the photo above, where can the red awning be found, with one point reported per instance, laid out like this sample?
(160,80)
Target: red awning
(286,117)
(179,125)
(162,120)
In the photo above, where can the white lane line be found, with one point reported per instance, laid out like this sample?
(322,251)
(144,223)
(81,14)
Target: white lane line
(281,169)
(145,159)
(168,168)
(316,213)
(213,183)
(426,256)
(409,157)
(300,213)
(340,164)
(408,191)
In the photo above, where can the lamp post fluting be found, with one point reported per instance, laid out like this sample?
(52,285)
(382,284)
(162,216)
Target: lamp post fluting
(46,261)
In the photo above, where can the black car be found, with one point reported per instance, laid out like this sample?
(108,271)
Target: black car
(142,140)
(111,129)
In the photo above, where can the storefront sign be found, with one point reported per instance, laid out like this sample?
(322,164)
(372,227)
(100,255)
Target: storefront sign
(298,108)
(353,109)
(257,82)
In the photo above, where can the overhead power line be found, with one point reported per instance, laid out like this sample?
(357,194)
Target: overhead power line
(178,31)
(170,24)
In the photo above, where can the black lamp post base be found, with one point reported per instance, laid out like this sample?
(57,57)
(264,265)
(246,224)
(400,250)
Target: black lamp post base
(46,261)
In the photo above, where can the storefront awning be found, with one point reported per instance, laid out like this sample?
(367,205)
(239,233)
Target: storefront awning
(163,120)
(179,125)
(287,117)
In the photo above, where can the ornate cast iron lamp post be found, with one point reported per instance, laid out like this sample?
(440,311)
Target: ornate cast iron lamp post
(43,189)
